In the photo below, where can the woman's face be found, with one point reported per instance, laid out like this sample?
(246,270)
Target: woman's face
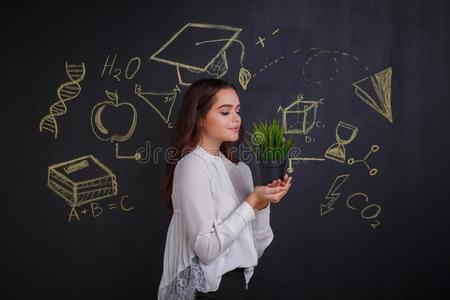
(223,121)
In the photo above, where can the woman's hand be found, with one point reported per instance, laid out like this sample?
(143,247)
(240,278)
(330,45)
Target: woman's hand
(286,183)
(272,192)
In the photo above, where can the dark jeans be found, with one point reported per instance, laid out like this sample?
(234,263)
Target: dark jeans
(232,286)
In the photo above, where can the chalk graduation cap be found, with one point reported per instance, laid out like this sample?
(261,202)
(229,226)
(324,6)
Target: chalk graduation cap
(200,48)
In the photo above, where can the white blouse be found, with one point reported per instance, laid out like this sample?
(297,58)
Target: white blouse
(213,229)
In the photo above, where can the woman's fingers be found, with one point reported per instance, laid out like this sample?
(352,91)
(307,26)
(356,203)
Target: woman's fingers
(280,183)
(275,189)
(288,179)
(275,183)
(277,196)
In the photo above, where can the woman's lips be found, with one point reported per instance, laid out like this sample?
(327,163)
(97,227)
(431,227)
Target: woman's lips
(234,129)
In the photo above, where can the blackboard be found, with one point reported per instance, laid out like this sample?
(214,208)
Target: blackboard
(91,93)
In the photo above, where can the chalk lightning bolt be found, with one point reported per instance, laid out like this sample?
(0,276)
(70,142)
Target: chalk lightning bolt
(332,194)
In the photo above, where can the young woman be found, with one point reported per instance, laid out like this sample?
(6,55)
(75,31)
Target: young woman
(220,222)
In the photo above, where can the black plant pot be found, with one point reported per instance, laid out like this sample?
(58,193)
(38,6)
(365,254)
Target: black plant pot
(267,171)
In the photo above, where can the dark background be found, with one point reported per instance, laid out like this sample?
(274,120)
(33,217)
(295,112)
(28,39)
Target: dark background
(118,255)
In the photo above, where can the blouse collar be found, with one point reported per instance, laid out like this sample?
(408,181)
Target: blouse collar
(215,158)
(202,151)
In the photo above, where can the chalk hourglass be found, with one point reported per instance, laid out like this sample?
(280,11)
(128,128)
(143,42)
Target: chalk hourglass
(345,134)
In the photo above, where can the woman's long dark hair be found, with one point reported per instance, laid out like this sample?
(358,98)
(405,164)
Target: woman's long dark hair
(196,103)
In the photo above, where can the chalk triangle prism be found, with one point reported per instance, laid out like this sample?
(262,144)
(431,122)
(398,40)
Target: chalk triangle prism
(375,91)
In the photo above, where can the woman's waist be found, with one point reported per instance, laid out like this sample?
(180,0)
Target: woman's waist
(239,270)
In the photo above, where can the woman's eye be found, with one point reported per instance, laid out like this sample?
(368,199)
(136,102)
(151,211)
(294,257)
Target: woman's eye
(224,113)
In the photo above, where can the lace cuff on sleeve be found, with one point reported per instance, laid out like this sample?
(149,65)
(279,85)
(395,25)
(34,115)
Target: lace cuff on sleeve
(185,284)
